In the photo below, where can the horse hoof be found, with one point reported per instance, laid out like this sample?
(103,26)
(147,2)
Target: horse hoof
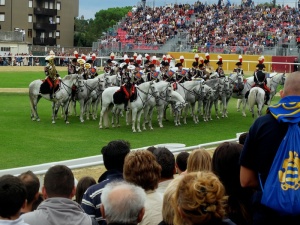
(38,120)
(67,122)
(53,122)
(133,131)
(151,128)
(100,127)
(118,125)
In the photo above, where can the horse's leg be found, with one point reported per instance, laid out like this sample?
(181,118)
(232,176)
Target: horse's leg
(244,102)
(238,104)
(34,102)
(138,120)
(146,112)
(160,112)
(150,118)
(133,118)
(65,108)
(81,102)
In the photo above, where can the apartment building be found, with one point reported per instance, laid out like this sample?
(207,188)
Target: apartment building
(41,22)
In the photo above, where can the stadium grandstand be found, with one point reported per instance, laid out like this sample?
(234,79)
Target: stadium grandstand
(200,27)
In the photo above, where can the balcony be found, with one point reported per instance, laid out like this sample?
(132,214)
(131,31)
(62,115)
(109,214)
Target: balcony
(44,41)
(44,26)
(45,12)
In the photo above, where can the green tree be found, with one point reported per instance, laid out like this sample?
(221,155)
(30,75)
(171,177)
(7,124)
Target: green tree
(89,31)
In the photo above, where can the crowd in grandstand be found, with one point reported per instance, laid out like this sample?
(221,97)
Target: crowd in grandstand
(208,26)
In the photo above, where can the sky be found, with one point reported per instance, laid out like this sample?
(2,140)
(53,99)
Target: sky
(88,8)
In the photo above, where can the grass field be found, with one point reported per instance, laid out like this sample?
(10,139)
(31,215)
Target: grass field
(25,142)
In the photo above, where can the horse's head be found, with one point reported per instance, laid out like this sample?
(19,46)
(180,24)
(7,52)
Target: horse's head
(153,89)
(101,83)
(107,81)
(78,81)
(282,79)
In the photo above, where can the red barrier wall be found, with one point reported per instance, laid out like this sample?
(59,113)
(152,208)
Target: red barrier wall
(283,64)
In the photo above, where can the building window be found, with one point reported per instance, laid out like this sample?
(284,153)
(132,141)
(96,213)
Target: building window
(58,4)
(51,5)
(30,18)
(5,49)
(46,5)
(58,34)
(50,34)
(2,2)
(58,19)
(30,4)
(29,33)
(2,16)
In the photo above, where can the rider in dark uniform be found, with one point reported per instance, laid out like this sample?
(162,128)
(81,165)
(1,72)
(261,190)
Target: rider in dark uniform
(238,69)
(72,68)
(153,74)
(260,80)
(108,67)
(220,70)
(194,71)
(181,75)
(137,75)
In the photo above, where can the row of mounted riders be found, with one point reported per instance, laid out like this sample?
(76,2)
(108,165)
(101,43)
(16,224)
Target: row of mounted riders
(131,75)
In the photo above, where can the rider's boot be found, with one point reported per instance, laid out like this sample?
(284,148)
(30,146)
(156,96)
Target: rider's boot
(267,98)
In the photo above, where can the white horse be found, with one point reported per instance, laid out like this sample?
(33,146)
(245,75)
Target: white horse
(184,89)
(144,92)
(256,97)
(96,84)
(60,98)
(196,95)
(272,83)
(217,86)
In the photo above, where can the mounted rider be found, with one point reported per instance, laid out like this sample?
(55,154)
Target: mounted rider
(239,69)
(260,80)
(220,69)
(52,77)
(153,74)
(108,68)
(73,66)
(137,75)
(261,66)
(181,74)
(194,71)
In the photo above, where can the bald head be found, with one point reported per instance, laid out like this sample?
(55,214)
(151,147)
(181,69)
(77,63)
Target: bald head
(291,85)
(123,202)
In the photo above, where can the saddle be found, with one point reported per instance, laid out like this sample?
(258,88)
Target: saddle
(49,86)
(124,94)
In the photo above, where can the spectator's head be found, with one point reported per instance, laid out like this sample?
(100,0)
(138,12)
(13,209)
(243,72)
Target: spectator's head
(114,154)
(32,184)
(59,182)
(151,149)
(82,186)
(142,169)
(242,138)
(12,196)
(199,160)
(167,208)
(166,160)
(122,203)
(225,164)
(199,199)
(181,161)
(291,85)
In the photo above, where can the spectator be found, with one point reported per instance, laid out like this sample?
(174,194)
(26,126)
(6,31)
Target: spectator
(167,208)
(12,199)
(166,160)
(123,203)
(32,184)
(242,138)
(225,164)
(199,160)
(58,207)
(83,184)
(260,148)
(181,162)
(113,156)
(200,199)
(142,169)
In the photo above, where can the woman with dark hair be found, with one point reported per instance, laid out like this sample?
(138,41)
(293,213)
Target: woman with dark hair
(82,186)
(225,164)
